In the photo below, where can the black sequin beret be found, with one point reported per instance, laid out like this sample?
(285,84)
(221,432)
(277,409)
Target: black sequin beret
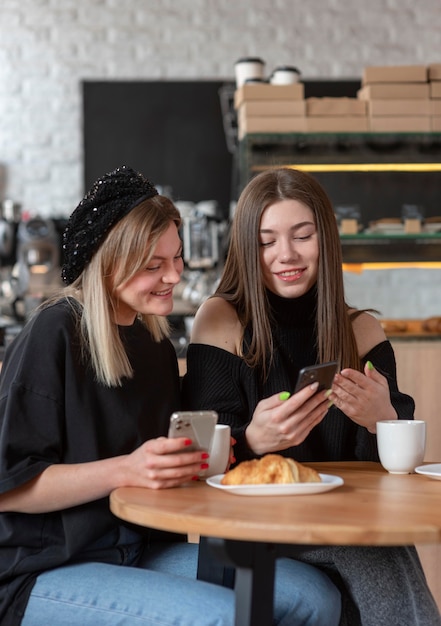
(111,198)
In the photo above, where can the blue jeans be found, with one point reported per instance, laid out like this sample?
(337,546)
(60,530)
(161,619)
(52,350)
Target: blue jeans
(161,590)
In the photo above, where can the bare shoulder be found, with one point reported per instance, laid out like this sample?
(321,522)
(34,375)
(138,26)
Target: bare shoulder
(368,331)
(216,324)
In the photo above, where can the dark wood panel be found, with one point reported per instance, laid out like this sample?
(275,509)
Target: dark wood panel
(172,131)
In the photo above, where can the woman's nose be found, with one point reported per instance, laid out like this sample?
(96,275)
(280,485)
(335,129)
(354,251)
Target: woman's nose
(172,275)
(286,252)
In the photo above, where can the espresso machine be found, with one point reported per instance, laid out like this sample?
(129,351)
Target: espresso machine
(36,273)
(203,235)
(203,243)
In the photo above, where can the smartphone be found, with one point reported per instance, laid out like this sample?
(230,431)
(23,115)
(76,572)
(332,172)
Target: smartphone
(323,374)
(195,425)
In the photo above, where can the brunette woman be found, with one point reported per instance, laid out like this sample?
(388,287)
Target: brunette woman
(280,306)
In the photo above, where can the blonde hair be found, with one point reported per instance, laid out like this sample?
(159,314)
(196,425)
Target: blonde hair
(127,248)
(242,281)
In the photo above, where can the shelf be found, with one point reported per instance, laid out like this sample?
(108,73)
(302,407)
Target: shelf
(378,172)
(375,142)
(373,248)
(357,167)
(339,152)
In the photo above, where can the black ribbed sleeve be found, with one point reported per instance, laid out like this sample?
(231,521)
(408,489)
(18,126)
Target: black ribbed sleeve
(221,381)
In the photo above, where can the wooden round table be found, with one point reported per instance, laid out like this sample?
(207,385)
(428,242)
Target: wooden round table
(372,507)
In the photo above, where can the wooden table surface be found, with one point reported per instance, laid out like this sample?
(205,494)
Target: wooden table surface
(371,508)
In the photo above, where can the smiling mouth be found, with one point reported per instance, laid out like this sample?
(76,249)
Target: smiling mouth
(288,274)
(162,293)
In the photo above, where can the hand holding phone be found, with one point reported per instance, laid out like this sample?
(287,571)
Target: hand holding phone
(323,374)
(195,425)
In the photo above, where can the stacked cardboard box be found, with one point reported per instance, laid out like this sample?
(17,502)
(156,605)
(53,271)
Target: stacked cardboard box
(266,108)
(397,97)
(402,98)
(336,115)
(435,95)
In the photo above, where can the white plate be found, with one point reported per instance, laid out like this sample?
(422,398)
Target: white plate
(292,489)
(432,471)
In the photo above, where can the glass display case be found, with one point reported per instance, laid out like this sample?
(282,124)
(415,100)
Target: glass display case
(378,173)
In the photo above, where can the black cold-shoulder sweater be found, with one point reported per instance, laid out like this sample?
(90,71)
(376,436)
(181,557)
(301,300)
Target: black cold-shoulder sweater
(219,380)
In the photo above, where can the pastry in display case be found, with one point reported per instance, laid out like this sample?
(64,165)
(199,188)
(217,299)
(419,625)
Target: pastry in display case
(430,326)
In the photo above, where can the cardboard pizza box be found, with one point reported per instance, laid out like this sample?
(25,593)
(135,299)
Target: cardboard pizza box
(267,124)
(400,124)
(296,91)
(335,106)
(435,89)
(435,71)
(394,74)
(335,124)
(395,91)
(400,107)
(272,108)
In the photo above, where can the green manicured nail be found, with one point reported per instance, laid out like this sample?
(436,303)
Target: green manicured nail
(284,395)
(370,366)
(328,393)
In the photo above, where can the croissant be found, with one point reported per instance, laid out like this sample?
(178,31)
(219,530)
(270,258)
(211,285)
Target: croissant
(271,468)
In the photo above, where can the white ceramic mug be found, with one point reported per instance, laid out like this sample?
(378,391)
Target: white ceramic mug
(401,444)
(219,451)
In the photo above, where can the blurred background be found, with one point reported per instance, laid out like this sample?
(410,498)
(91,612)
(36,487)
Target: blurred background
(86,85)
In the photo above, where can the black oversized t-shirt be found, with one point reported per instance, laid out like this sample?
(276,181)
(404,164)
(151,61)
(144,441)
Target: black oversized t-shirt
(52,410)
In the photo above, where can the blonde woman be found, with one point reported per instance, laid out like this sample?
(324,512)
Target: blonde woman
(86,393)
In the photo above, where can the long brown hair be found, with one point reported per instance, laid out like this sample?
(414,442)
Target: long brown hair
(242,282)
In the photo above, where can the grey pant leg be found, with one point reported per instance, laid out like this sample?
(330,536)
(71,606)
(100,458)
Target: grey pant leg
(386,584)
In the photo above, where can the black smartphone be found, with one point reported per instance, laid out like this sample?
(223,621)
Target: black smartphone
(195,425)
(323,374)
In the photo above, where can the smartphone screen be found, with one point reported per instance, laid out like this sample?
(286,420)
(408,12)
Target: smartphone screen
(323,374)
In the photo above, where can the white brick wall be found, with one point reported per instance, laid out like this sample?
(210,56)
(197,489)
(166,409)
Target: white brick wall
(48,46)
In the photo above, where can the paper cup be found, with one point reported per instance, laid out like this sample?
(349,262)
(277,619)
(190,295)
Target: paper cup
(249,67)
(285,75)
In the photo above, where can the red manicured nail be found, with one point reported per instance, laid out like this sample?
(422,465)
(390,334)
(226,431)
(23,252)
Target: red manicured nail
(204,466)
(188,442)
(195,478)
(205,455)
